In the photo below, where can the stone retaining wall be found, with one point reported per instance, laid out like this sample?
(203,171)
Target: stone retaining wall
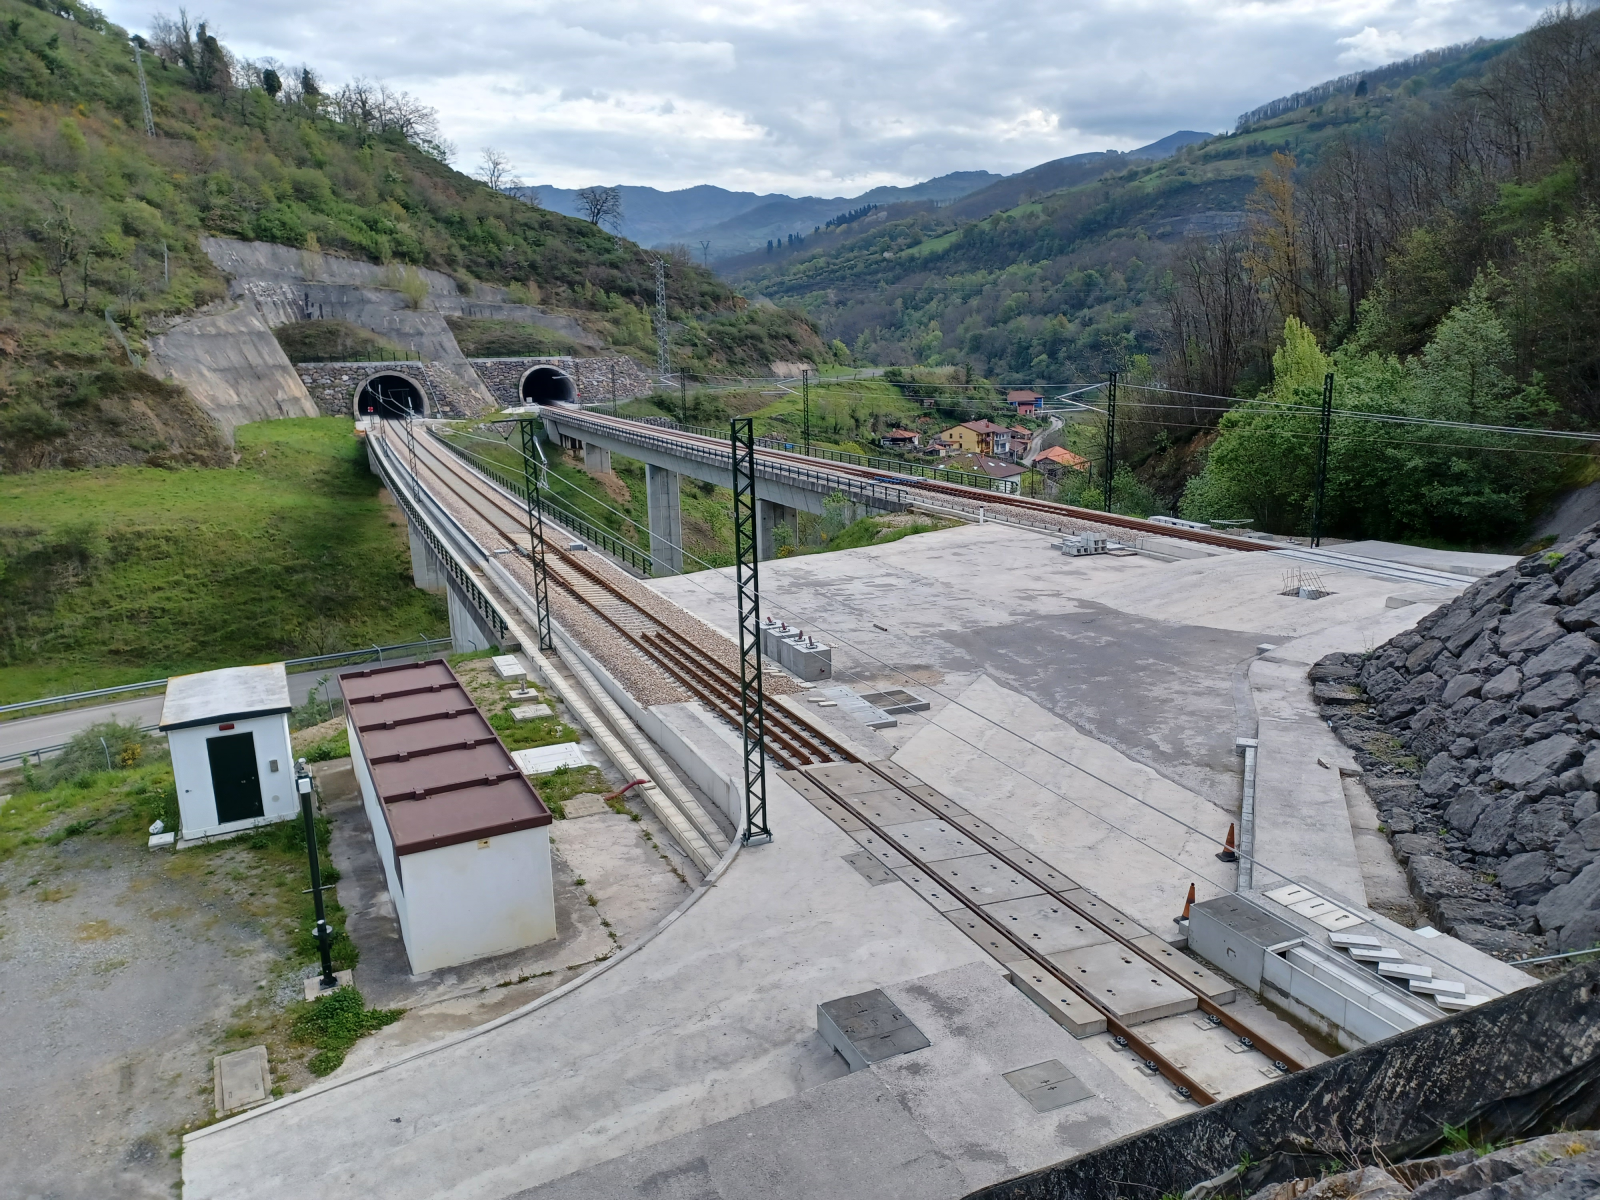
(503,376)
(333,385)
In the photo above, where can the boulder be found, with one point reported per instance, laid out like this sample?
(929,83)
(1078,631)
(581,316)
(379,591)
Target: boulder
(1383,684)
(1539,591)
(1573,911)
(1424,654)
(1505,944)
(1456,911)
(1434,879)
(1441,776)
(1526,877)
(1485,717)
(1462,685)
(1415,695)
(1581,616)
(1579,584)
(1332,668)
(1400,820)
(1530,629)
(1465,809)
(1506,683)
(1573,853)
(1417,845)
(1587,710)
(1572,653)
(1493,828)
(1541,826)
(1585,806)
(1557,692)
(1550,756)
(1338,693)
(1431,734)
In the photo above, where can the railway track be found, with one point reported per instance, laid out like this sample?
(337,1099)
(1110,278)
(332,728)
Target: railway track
(698,668)
(969,495)
(798,746)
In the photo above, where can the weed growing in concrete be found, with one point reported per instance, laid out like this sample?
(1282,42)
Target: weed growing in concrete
(335,1023)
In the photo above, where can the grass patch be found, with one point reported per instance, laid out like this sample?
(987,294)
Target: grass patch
(334,340)
(122,574)
(335,1023)
(562,784)
(482,337)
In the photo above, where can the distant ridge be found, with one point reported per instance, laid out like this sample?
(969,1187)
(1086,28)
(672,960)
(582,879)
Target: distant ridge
(1346,84)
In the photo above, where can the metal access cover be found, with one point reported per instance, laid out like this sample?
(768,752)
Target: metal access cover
(867,1028)
(1047,1085)
(896,700)
(870,869)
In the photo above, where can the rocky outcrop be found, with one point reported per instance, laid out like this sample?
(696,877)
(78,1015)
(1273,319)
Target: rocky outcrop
(1480,733)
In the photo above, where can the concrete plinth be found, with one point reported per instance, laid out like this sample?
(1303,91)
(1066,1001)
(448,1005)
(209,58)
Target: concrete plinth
(666,518)
(596,458)
(426,572)
(466,626)
(770,515)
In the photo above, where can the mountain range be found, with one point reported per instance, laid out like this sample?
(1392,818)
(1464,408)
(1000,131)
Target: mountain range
(735,223)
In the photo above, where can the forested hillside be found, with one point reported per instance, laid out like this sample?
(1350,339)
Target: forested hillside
(1425,232)
(100,221)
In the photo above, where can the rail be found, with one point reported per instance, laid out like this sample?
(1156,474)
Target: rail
(863,491)
(367,654)
(596,535)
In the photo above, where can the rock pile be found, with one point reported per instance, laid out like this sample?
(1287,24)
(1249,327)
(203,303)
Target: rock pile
(1479,731)
(1558,1166)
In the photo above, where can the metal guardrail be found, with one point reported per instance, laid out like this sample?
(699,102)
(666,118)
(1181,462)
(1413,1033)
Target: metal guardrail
(596,535)
(39,754)
(454,568)
(872,462)
(367,654)
(870,492)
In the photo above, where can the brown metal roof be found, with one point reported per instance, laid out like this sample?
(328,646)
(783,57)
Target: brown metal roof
(437,765)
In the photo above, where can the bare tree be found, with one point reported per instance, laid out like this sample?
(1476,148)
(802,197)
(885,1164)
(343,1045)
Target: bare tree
(602,205)
(494,169)
(62,241)
(1218,316)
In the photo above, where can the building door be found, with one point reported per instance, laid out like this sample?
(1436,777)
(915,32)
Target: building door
(235,781)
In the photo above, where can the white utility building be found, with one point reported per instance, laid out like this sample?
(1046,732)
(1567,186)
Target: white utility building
(463,837)
(231,757)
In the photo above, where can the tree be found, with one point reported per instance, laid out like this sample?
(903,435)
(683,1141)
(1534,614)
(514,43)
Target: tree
(61,240)
(495,170)
(271,83)
(15,243)
(602,205)
(1274,256)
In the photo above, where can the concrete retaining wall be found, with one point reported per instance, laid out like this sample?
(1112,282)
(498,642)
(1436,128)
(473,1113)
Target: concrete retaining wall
(233,367)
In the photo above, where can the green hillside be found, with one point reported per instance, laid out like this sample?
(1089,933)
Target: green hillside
(97,216)
(1073,281)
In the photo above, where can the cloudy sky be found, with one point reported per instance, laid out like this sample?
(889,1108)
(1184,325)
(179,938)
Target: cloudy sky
(831,97)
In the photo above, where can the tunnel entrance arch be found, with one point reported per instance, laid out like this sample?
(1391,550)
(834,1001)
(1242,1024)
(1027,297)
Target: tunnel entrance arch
(548,385)
(390,396)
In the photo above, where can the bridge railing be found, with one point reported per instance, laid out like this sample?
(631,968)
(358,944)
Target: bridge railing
(873,462)
(556,509)
(874,493)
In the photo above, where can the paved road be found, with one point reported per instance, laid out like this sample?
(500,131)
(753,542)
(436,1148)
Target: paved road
(52,729)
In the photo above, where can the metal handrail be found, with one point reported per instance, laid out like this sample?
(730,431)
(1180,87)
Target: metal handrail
(629,553)
(872,462)
(876,494)
(358,655)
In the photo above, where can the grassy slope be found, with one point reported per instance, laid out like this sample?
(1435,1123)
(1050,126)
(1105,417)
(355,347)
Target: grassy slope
(73,152)
(129,573)
(1062,288)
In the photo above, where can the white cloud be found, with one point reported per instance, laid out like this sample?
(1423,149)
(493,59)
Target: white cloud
(834,97)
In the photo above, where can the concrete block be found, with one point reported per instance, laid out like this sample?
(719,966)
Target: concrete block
(1218,991)
(1131,988)
(984,878)
(889,807)
(160,840)
(992,943)
(1233,935)
(867,1028)
(930,889)
(506,666)
(1046,924)
(1063,1006)
(531,712)
(313,984)
(241,1080)
(932,840)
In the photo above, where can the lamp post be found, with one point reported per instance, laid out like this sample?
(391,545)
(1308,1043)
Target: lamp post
(328,982)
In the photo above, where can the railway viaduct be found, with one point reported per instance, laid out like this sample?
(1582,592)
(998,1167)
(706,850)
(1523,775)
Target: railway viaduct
(783,490)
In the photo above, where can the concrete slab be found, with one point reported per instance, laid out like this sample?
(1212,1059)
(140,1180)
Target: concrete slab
(984,878)
(713,1019)
(931,840)
(1458,562)
(1057,1001)
(1134,990)
(1048,925)
(931,890)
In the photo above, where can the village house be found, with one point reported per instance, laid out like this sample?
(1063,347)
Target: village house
(979,437)
(899,439)
(1025,402)
(1056,461)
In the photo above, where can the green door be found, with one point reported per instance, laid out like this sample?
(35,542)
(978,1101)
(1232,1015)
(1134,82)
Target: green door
(234,779)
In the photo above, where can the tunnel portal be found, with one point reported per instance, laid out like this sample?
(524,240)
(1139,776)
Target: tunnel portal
(390,397)
(548,385)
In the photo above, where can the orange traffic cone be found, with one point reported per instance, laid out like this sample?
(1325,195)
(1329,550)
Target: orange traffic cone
(1229,847)
(1189,900)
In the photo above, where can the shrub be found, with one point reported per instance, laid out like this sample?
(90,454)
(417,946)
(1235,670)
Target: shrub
(336,1022)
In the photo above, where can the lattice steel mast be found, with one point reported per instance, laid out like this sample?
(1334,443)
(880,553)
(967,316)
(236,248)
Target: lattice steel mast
(752,700)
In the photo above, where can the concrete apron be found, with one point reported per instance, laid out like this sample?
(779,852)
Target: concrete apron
(713,1018)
